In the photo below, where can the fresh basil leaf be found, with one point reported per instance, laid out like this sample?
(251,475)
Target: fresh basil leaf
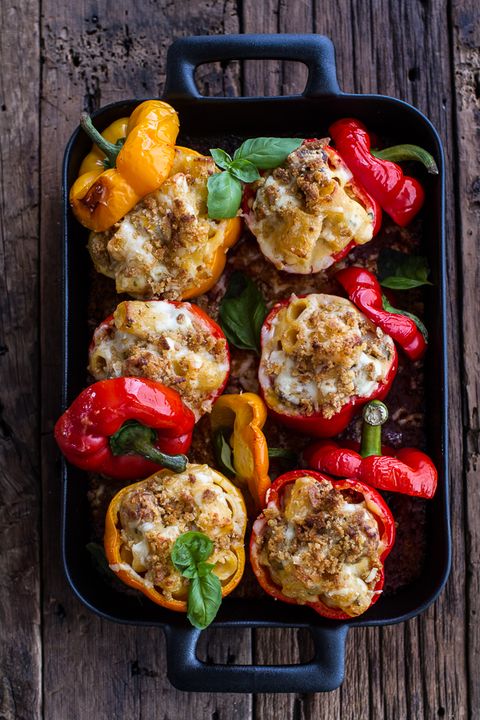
(244,170)
(223,452)
(396,311)
(282,453)
(204,599)
(189,549)
(267,152)
(222,158)
(224,195)
(399,271)
(242,312)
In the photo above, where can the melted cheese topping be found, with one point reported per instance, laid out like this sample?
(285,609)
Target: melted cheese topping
(322,546)
(306,211)
(166,505)
(165,245)
(320,351)
(166,343)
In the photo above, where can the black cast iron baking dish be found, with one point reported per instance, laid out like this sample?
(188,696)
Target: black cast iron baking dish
(204,117)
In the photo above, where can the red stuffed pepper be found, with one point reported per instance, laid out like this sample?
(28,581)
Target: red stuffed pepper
(322,543)
(321,360)
(401,196)
(364,290)
(175,343)
(408,471)
(310,212)
(126,428)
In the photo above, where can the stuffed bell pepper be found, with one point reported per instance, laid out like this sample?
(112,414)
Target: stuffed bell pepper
(179,539)
(126,428)
(175,343)
(407,470)
(322,359)
(310,212)
(322,543)
(167,246)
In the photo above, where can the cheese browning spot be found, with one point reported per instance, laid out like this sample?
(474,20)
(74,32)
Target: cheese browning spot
(322,546)
(320,351)
(306,211)
(166,343)
(164,246)
(163,507)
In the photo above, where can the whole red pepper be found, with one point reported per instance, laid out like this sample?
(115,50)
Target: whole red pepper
(375,504)
(126,428)
(364,290)
(399,195)
(316,424)
(408,471)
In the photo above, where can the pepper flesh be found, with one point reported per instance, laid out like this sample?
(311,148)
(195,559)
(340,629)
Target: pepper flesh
(113,547)
(364,290)
(316,424)
(84,430)
(401,196)
(245,416)
(374,503)
(99,197)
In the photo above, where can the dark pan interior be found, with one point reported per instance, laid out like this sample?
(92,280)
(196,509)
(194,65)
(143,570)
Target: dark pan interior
(202,119)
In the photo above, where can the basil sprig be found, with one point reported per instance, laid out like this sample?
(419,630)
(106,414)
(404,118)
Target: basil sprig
(225,188)
(399,271)
(189,555)
(242,312)
(223,452)
(396,311)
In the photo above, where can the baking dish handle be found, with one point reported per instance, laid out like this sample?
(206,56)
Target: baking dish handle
(322,674)
(315,51)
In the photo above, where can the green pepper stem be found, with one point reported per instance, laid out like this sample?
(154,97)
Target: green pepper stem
(133,438)
(375,414)
(110,150)
(397,153)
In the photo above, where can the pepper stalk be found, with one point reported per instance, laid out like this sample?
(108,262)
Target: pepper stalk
(133,438)
(109,149)
(375,414)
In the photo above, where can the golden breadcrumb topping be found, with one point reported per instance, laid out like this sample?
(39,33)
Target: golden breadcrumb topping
(164,342)
(166,505)
(306,211)
(319,351)
(164,246)
(322,545)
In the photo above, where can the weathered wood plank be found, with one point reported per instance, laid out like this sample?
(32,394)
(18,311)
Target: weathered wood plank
(20,621)
(95,53)
(466,54)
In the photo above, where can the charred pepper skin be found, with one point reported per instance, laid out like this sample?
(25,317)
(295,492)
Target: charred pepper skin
(103,194)
(399,195)
(85,429)
(375,504)
(363,289)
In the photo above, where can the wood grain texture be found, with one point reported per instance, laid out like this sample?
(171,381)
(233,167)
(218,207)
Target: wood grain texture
(98,51)
(20,621)
(466,55)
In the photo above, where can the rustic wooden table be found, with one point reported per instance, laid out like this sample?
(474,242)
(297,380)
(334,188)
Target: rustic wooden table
(57,660)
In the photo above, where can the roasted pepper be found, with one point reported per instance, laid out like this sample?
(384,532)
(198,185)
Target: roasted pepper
(126,428)
(408,470)
(364,291)
(316,423)
(119,557)
(130,159)
(401,196)
(239,420)
(275,500)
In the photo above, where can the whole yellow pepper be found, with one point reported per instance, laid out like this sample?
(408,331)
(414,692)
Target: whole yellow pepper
(245,415)
(130,159)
